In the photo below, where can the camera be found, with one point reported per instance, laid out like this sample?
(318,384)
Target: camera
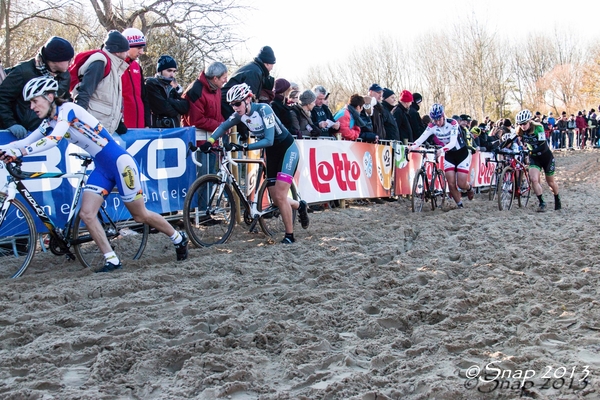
(165,122)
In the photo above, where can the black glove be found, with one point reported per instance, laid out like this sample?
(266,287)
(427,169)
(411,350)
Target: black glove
(121,129)
(205,147)
(236,147)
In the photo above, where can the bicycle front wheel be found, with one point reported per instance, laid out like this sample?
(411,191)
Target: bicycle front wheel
(418,191)
(438,188)
(209,211)
(271,223)
(506,189)
(18,240)
(126,237)
(524,189)
(493,186)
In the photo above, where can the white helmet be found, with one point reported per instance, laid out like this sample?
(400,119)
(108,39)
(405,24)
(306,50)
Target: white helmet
(239,93)
(524,116)
(39,87)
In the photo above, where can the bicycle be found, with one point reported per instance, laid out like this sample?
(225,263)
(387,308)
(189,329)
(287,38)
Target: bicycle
(19,236)
(500,165)
(425,189)
(210,207)
(514,181)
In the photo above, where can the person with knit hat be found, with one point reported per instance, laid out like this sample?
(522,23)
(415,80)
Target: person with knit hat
(302,123)
(414,117)
(401,115)
(280,102)
(52,59)
(136,109)
(388,103)
(101,95)
(164,95)
(256,74)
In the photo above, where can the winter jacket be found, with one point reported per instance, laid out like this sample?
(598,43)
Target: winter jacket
(302,124)
(101,96)
(205,105)
(254,74)
(389,122)
(320,114)
(136,110)
(15,110)
(580,122)
(282,111)
(349,128)
(165,102)
(416,123)
(400,114)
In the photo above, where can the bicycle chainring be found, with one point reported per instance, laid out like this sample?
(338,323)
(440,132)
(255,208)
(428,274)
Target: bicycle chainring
(247,217)
(58,247)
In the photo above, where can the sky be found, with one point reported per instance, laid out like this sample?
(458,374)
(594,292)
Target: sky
(305,33)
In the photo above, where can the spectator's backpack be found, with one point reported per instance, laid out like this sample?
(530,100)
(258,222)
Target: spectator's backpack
(80,59)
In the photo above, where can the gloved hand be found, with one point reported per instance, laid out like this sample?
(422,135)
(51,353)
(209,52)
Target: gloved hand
(205,147)
(18,131)
(236,147)
(10,155)
(121,129)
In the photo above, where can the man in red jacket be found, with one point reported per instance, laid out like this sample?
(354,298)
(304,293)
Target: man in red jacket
(136,110)
(204,98)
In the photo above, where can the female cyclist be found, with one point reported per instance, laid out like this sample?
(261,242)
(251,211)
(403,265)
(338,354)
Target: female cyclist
(282,153)
(457,160)
(541,157)
(113,165)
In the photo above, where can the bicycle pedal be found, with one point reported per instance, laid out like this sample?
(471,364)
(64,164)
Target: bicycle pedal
(70,256)
(252,227)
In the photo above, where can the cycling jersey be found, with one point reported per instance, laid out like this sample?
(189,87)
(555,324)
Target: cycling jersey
(446,135)
(535,139)
(113,166)
(262,123)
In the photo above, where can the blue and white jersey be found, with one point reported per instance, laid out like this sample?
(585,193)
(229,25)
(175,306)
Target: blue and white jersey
(447,135)
(262,123)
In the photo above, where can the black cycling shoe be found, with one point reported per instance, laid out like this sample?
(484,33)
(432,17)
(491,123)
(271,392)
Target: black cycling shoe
(542,207)
(288,240)
(108,267)
(303,214)
(181,248)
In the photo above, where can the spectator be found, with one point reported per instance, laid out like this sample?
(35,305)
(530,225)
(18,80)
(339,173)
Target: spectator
(582,126)
(279,103)
(52,60)
(388,103)
(414,118)
(102,96)
(401,114)
(322,115)
(302,123)
(561,129)
(204,99)
(351,122)
(293,97)
(593,126)
(164,95)
(136,109)
(376,92)
(254,74)
(426,119)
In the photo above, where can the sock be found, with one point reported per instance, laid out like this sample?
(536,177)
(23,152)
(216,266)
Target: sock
(112,258)
(541,199)
(176,238)
(557,198)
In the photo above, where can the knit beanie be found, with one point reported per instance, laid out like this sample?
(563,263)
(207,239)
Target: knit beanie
(406,97)
(266,55)
(417,98)
(281,85)
(307,97)
(57,49)
(115,42)
(165,62)
(135,37)
(387,93)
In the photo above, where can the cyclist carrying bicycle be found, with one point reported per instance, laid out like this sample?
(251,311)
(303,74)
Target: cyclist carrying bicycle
(113,164)
(282,154)
(541,158)
(457,161)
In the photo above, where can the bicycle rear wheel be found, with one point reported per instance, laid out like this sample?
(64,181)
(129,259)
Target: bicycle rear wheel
(272,223)
(18,240)
(506,189)
(209,211)
(127,238)
(438,188)
(493,186)
(524,188)
(418,191)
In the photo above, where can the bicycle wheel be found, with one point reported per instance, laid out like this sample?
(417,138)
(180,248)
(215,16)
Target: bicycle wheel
(438,188)
(127,238)
(209,211)
(18,240)
(525,189)
(506,189)
(493,186)
(418,191)
(272,223)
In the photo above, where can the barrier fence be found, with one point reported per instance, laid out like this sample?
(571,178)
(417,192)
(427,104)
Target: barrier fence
(327,170)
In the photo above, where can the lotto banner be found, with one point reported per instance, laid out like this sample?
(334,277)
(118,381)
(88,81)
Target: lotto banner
(166,171)
(334,169)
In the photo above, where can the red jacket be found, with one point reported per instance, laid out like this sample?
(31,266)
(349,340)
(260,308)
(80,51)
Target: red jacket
(134,107)
(205,105)
(348,128)
(580,122)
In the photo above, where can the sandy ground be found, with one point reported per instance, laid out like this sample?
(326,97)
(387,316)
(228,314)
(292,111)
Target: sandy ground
(373,302)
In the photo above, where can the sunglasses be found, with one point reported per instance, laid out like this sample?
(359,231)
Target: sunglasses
(524,123)
(236,103)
